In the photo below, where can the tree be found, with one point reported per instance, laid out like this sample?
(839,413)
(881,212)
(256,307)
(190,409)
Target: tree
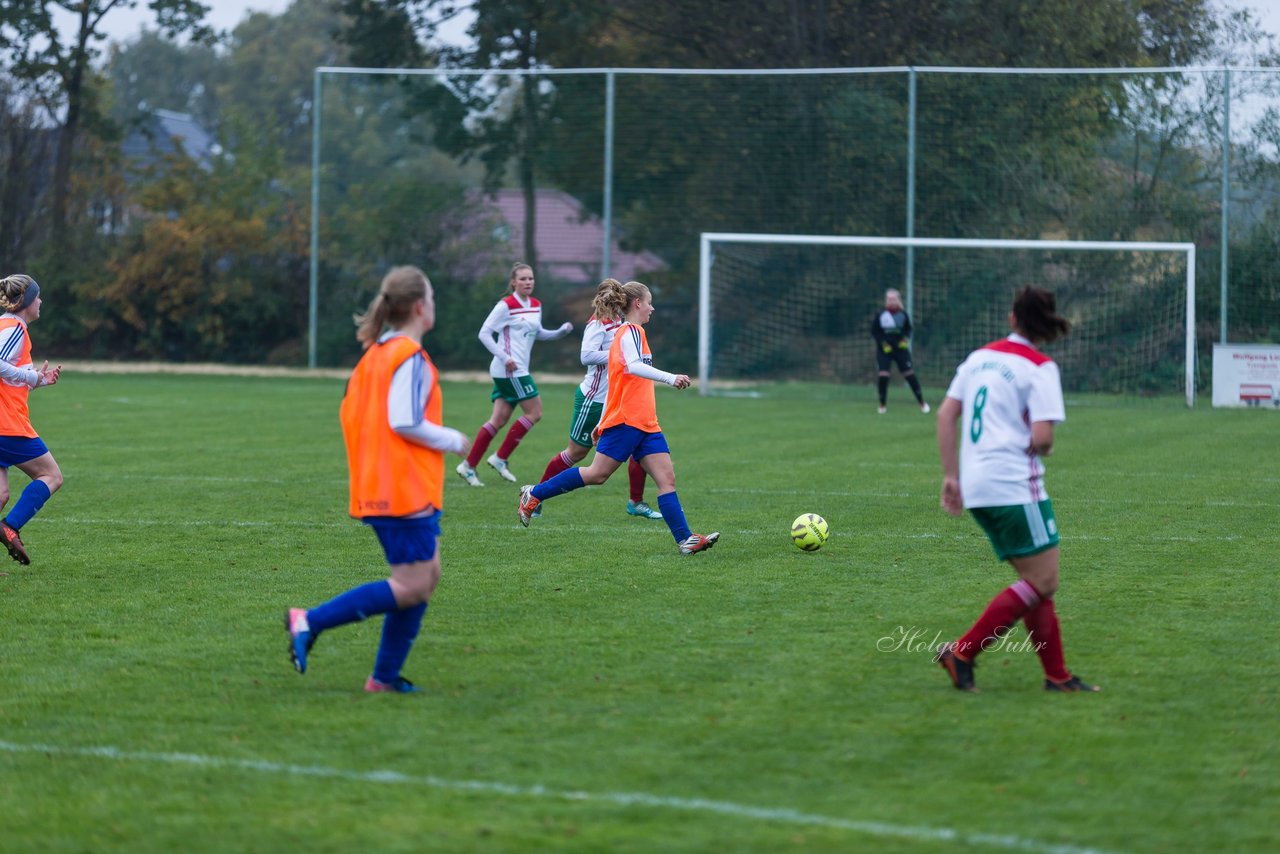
(868,33)
(152,72)
(500,119)
(269,71)
(60,69)
(24,144)
(199,274)
(521,35)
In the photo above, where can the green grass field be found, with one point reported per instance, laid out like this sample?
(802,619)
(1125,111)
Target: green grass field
(586,687)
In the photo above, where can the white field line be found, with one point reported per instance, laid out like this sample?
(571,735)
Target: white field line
(1119,476)
(785,493)
(829,493)
(1090,501)
(598,527)
(933,495)
(779,815)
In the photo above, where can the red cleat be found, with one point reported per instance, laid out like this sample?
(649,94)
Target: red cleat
(13,543)
(528,505)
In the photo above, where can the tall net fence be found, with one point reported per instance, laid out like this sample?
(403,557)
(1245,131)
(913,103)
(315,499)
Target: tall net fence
(465,174)
(1127,307)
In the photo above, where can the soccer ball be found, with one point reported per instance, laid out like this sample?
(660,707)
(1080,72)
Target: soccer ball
(809,531)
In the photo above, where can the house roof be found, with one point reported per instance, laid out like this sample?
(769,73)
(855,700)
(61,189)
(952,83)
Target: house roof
(570,242)
(161,134)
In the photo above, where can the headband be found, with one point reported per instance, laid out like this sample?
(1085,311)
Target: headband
(29,295)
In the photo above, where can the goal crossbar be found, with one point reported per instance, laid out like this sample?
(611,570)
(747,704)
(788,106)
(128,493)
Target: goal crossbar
(709,238)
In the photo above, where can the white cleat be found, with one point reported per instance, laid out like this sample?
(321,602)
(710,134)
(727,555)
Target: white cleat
(882,410)
(501,467)
(468,474)
(924,407)
(698,543)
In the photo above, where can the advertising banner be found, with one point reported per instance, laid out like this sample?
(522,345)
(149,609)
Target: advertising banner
(1246,375)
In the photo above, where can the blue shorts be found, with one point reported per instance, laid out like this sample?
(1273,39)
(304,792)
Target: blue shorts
(623,440)
(19,449)
(406,540)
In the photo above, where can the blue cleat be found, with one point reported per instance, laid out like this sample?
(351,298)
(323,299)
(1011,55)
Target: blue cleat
(300,638)
(639,508)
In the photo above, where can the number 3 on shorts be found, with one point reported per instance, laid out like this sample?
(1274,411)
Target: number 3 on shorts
(975,423)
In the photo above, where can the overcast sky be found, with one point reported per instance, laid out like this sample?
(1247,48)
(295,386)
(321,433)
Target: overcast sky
(121,24)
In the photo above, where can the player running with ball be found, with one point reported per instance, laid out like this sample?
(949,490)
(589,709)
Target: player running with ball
(588,407)
(629,426)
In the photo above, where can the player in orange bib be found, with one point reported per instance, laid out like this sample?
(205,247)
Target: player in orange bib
(588,408)
(629,425)
(20,446)
(391,422)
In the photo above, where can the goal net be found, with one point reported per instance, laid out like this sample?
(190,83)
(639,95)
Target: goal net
(798,308)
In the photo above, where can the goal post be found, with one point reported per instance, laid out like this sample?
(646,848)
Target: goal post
(785,307)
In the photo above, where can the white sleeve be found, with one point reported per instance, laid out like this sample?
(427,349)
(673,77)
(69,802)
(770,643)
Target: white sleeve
(593,350)
(499,317)
(9,372)
(407,406)
(559,332)
(635,363)
(1045,401)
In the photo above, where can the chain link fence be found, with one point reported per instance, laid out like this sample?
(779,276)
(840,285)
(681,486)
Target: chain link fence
(592,173)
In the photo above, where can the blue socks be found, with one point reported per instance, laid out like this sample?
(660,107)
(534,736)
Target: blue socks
(567,481)
(673,514)
(28,504)
(356,604)
(571,479)
(399,630)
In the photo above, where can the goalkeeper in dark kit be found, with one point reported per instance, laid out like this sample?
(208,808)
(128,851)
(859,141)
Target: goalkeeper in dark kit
(891,328)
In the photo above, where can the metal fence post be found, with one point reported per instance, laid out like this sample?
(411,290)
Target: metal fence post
(1226,198)
(606,252)
(911,188)
(313,277)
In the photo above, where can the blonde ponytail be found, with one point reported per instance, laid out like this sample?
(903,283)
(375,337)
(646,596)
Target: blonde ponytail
(401,288)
